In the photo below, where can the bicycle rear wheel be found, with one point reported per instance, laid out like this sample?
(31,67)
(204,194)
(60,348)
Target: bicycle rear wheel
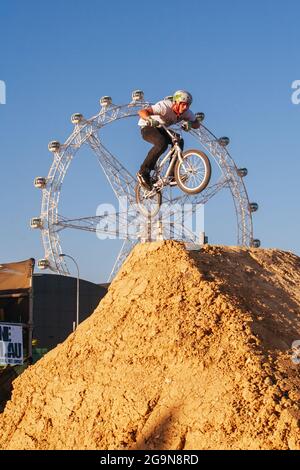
(193,172)
(149,202)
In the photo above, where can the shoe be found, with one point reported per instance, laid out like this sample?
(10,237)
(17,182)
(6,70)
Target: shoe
(144,180)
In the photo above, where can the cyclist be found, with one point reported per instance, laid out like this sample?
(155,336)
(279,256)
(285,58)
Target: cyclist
(167,112)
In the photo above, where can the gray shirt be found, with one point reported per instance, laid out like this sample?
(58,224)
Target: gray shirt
(164,114)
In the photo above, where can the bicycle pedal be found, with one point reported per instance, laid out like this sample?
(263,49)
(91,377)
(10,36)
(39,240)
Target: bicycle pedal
(158,184)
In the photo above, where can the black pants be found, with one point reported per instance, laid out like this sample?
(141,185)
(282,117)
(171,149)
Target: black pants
(160,138)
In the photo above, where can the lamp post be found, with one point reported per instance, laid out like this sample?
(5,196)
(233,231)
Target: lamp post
(63,255)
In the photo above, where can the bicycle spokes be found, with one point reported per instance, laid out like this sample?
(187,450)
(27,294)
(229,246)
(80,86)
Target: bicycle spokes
(193,170)
(149,201)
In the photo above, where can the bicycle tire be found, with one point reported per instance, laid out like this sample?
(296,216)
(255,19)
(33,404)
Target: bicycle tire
(205,181)
(139,191)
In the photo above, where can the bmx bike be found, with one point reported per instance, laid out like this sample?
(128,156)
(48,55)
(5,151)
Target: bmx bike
(189,170)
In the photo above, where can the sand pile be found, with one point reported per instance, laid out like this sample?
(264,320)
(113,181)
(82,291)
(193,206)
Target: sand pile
(188,350)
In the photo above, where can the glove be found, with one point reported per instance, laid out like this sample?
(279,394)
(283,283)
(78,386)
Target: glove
(153,122)
(186,126)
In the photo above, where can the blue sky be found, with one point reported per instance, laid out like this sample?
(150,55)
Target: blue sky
(238,59)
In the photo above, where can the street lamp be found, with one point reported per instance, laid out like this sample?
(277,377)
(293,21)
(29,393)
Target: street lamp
(63,255)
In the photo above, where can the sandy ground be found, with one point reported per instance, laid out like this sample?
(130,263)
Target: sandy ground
(188,350)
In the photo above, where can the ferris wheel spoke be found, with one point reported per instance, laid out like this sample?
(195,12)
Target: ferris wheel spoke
(120,224)
(121,181)
(205,195)
(123,254)
(83,223)
(180,231)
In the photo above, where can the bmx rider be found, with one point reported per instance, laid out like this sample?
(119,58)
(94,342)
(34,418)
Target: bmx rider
(166,112)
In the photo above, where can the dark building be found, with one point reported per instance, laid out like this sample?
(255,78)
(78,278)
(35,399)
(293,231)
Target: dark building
(54,306)
(44,306)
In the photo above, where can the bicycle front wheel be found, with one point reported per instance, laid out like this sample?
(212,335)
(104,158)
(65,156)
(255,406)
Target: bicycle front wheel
(193,172)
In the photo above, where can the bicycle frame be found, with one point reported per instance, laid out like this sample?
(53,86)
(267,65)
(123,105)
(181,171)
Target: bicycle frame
(176,151)
(181,161)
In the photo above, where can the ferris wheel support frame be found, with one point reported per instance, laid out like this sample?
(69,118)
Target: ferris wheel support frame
(122,182)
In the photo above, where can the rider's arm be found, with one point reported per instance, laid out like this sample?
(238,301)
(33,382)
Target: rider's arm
(189,116)
(145,113)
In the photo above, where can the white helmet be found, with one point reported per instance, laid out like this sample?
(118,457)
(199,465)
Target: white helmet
(182,96)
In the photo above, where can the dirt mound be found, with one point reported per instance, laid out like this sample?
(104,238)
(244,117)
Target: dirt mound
(188,350)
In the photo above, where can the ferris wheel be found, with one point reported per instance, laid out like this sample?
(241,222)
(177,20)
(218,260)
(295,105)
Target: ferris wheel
(88,132)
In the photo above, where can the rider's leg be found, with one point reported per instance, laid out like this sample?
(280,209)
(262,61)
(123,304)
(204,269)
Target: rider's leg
(154,136)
